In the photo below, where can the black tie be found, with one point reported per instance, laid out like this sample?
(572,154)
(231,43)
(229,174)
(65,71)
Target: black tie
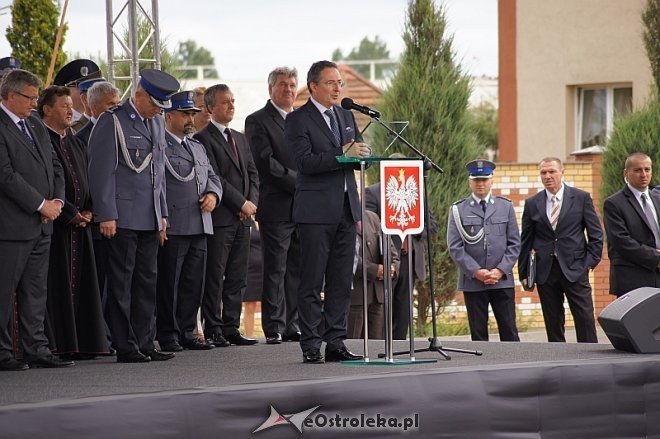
(483,205)
(186,146)
(21,124)
(232,143)
(333,126)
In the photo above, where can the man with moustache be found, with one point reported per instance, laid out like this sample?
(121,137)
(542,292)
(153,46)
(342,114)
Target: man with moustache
(228,247)
(193,191)
(277,183)
(554,224)
(631,224)
(325,208)
(75,324)
(127,182)
(31,196)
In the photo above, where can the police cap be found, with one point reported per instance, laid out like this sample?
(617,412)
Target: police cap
(159,85)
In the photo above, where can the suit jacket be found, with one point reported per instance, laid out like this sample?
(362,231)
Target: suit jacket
(240,180)
(372,239)
(630,243)
(372,202)
(575,254)
(275,162)
(499,248)
(84,132)
(27,177)
(319,196)
(186,218)
(136,201)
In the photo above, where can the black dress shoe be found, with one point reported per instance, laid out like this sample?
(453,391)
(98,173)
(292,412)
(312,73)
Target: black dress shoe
(218,341)
(341,354)
(159,356)
(50,362)
(294,336)
(312,356)
(12,365)
(239,340)
(274,338)
(132,357)
(170,346)
(196,345)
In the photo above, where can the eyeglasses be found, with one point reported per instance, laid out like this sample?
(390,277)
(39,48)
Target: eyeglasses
(31,98)
(333,84)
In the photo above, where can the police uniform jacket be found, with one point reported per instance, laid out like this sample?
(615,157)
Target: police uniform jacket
(499,247)
(135,200)
(185,216)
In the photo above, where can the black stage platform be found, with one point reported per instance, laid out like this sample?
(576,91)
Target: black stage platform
(515,390)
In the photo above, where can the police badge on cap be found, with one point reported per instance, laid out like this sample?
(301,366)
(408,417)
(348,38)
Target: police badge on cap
(480,168)
(183,101)
(159,85)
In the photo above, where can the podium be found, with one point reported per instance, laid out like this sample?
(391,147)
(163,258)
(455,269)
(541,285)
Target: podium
(402,213)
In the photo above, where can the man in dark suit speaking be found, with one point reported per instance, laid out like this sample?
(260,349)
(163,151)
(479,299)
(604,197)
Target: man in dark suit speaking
(633,235)
(31,196)
(326,208)
(554,222)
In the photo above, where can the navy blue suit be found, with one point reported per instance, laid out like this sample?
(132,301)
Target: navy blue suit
(326,208)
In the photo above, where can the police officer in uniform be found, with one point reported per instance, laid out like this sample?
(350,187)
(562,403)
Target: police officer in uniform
(127,183)
(483,240)
(70,75)
(193,191)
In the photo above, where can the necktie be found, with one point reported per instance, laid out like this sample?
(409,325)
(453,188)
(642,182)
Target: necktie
(232,143)
(333,126)
(21,124)
(483,205)
(648,212)
(186,146)
(554,213)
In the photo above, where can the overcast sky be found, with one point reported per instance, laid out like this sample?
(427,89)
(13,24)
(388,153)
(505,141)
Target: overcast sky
(248,38)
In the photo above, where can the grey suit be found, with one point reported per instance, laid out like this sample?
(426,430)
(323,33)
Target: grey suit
(499,248)
(137,202)
(27,176)
(182,258)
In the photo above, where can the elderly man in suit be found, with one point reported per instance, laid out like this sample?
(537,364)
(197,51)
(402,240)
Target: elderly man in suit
(483,241)
(554,223)
(193,192)
(277,182)
(127,182)
(228,247)
(32,197)
(326,208)
(631,223)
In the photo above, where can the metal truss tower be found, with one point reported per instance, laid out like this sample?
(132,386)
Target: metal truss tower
(129,15)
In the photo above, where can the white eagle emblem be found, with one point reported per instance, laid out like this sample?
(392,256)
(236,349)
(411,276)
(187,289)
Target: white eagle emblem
(401,195)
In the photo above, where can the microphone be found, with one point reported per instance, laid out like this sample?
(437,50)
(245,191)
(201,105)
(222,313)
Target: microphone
(348,104)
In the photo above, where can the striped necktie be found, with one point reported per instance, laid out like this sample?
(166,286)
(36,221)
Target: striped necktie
(554,213)
(648,212)
(333,126)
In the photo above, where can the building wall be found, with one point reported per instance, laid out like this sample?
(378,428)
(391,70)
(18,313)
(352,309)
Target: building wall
(519,181)
(559,45)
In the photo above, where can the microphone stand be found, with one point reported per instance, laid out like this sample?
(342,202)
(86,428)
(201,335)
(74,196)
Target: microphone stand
(435,345)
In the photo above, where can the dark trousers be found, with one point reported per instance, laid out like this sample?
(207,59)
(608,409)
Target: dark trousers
(131,285)
(24,270)
(375,315)
(578,294)
(101,259)
(401,301)
(327,251)
(181,267)
(226,278)
(502,301)
(279,300)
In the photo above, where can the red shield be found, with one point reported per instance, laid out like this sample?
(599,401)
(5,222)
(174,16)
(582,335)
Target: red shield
(402,197)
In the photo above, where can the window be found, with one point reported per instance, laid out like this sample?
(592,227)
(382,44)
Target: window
(597,110)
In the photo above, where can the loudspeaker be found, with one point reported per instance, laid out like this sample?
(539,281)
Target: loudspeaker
(632,322)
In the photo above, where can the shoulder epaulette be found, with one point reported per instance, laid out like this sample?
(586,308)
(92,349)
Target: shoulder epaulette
(504,198)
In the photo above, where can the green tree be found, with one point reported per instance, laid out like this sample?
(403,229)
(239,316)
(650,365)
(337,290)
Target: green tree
(431,91)
(651,20)
(31,35)
(188,54)
(637,132)
(367,50)
(483,119)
